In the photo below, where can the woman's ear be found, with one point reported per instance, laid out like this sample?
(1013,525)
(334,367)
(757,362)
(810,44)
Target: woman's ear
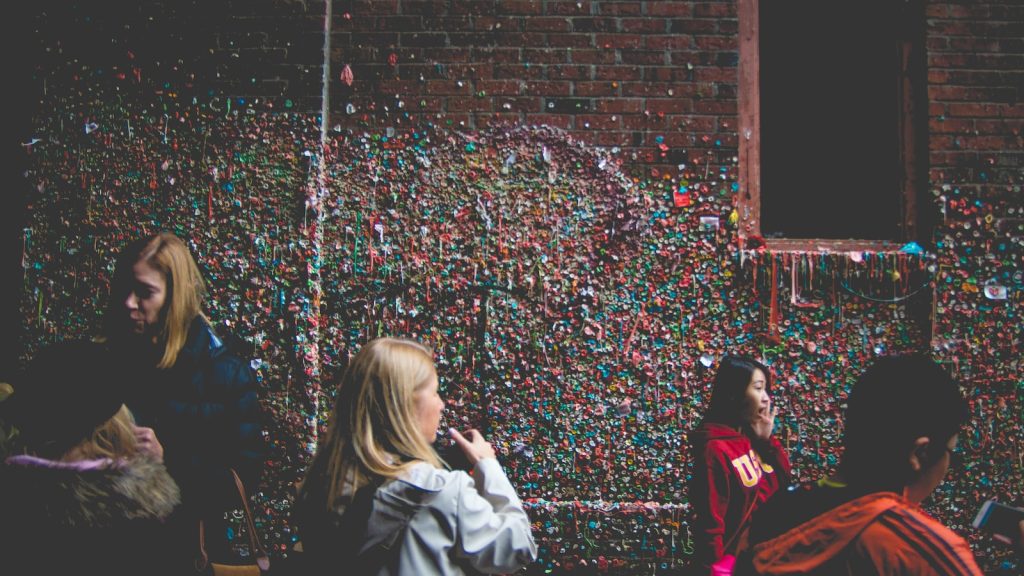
(919,457)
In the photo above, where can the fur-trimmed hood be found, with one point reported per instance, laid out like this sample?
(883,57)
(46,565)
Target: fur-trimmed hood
(87,494)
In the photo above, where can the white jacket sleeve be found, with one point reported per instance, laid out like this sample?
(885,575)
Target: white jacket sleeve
(493,529)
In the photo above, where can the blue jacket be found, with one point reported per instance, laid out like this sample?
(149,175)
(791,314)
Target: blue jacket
(206,414)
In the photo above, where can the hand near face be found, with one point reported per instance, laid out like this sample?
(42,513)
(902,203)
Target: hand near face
(764,422)
(473,445)
(147,443)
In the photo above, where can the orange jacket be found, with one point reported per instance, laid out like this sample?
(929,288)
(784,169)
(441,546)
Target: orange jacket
(881,533)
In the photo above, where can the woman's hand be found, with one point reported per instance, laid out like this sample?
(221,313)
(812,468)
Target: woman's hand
(764,422)
(473,445)
(147,443)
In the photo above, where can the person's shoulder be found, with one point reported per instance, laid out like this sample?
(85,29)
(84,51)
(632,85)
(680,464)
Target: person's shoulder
(428,478)
(904,529)
(907,520)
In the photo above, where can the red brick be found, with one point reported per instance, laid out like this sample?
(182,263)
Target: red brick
(1001,126)
(592,56)
(496,23)
(570,8)
(548,88)
(670,8)
(667,106)
(703,74)
(444,24)
(590,89)
(519,71)
(475,8)
(424,7)
(374,7)
(499,87)
(497,55)
(618,73)
(644,122)
(548,25)
(519,104)
(458,120)
(524,7)
(715,107)
(473,104)
(619,105)
(971,110)
(668,42)
(644,26)
(598,121)
(609,138)
(517,38)
(692,26)
(710,42)
(427,104)
(618,41)
(556,120)
(715,10)
(470,71)
(571,40)
(570,72)
(545,55)
(402,87)
(449,87)
(621,8)
(599,24)
(483,120)
(643,57)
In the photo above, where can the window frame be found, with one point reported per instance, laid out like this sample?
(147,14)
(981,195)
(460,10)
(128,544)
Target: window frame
(912,141)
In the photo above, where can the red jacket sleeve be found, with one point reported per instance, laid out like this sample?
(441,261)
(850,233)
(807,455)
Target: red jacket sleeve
(709,496)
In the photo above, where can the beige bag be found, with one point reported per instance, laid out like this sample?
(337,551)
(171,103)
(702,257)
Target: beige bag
(259,561)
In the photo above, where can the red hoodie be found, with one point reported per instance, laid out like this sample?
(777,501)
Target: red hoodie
(880,533)
(729,479)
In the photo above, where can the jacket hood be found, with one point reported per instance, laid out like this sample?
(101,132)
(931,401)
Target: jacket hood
(90,494)
(812,544)
(714,431)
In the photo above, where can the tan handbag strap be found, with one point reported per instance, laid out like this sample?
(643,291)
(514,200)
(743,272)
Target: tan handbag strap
(262,559)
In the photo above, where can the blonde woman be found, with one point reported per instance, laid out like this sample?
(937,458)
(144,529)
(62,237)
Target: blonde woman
(190,387)
(378,500)
(81,498)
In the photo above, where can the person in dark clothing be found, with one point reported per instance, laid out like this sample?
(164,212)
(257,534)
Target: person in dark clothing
(902,420)
(737,462)
(80,497)
(197,393)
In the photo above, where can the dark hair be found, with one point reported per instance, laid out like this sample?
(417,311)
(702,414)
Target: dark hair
(896,401)
(67,391)
(730,387)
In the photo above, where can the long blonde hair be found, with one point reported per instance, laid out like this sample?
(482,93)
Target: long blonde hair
(374,432)
(186,290)
(114,439)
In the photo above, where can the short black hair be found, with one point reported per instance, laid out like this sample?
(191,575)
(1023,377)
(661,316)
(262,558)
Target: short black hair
(730,386)
(895,401)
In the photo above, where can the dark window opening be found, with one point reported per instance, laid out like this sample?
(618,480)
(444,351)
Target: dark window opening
(842,110)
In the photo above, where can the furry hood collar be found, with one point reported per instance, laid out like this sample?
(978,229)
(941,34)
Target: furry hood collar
(89,494)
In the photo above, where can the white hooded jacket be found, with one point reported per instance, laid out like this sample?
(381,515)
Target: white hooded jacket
(434,521)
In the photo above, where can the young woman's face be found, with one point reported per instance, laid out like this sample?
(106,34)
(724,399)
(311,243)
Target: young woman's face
(428,405)
(145,299)
(757,402)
